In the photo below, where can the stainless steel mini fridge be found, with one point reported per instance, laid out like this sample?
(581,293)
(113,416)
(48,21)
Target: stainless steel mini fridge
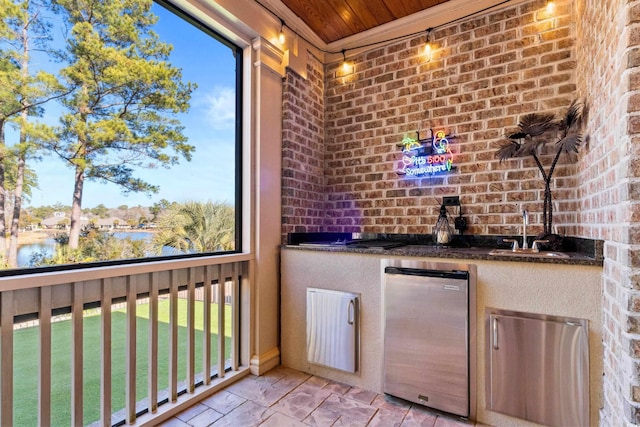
(426,337)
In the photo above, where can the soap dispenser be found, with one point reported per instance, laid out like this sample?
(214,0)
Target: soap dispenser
(442,231)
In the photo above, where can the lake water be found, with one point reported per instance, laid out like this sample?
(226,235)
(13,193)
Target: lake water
(25,252)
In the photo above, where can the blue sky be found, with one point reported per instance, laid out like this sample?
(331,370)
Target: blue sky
(209,125)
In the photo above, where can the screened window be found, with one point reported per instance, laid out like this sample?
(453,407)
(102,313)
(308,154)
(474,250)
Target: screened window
(121,130)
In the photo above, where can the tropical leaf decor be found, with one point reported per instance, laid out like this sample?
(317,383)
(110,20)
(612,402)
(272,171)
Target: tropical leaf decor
(534,132)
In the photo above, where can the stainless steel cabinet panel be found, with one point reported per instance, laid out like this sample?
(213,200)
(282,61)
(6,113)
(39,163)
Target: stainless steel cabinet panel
(426,347)
(538,368)
(333,329)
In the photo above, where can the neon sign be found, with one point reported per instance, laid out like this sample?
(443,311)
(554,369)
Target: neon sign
(426,157)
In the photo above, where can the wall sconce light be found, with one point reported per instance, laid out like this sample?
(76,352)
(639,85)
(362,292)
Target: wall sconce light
(345,65)
(551,5)
(281,37)
(427,47)
(346,70)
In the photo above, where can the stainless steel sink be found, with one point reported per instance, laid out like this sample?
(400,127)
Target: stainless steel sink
(528,253)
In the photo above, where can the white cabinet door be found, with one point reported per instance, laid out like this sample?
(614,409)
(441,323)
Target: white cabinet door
(332,329)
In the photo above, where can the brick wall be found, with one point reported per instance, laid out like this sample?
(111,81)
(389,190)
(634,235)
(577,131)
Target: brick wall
(609,77)
(484,73)
(303,150)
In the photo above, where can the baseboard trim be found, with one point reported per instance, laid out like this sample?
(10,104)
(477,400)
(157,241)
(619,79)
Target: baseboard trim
(265,362)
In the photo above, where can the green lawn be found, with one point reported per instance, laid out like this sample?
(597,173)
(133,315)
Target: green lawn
(26,361)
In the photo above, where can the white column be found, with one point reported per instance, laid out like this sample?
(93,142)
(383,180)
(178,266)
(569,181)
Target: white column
(268,71)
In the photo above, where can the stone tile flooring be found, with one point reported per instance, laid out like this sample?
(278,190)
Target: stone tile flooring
(287,398)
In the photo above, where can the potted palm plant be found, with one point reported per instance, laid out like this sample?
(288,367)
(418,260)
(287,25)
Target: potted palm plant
(534,132)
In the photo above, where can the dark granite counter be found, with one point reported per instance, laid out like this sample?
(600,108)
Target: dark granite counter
(574,258)
(579,251)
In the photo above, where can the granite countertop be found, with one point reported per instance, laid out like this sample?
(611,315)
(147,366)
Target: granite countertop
(581,251)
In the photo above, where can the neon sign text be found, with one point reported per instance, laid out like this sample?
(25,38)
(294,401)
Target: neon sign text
(432,157)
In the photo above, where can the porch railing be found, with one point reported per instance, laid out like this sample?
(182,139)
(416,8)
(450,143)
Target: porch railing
(211,285)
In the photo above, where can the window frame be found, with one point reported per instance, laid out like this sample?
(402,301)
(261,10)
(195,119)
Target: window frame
(240,243)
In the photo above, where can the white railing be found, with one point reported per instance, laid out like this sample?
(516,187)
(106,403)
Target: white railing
(196,285)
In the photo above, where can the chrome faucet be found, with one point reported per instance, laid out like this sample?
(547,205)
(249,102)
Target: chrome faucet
(525,221)
(525,245)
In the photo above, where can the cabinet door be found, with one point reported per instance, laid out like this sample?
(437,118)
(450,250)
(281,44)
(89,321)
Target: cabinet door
(506,370)
(539,369)
(332,329)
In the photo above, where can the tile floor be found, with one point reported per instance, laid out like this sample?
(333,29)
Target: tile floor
(287,398)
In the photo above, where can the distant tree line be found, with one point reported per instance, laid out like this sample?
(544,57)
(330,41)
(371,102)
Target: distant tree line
(34,215)
(192,227)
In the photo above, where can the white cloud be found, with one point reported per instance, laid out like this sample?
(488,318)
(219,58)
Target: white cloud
(221,107)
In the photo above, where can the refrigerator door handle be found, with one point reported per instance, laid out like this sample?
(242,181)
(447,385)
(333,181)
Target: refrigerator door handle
(495,333)
(351,312)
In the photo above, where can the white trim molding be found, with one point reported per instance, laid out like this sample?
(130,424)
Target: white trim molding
(265,362)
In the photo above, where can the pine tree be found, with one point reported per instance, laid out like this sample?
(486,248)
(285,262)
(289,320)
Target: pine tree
(22,96)
(126,95)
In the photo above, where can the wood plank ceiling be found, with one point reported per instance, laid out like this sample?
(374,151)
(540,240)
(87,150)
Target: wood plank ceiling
(333,20)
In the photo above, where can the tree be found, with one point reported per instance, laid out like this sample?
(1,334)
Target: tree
(42,212)
(29,177)
(27,220)
(196,227)
(100,210)
(158,207)
(122,113)
(533,134)
(59,207)
(30,181)
(9,101)
(99,246)
(23,95)
(94,246)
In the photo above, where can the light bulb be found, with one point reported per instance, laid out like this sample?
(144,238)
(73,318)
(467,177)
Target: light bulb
(427,47)
(551,5)
(345,65)
(281,37)
(427,50)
